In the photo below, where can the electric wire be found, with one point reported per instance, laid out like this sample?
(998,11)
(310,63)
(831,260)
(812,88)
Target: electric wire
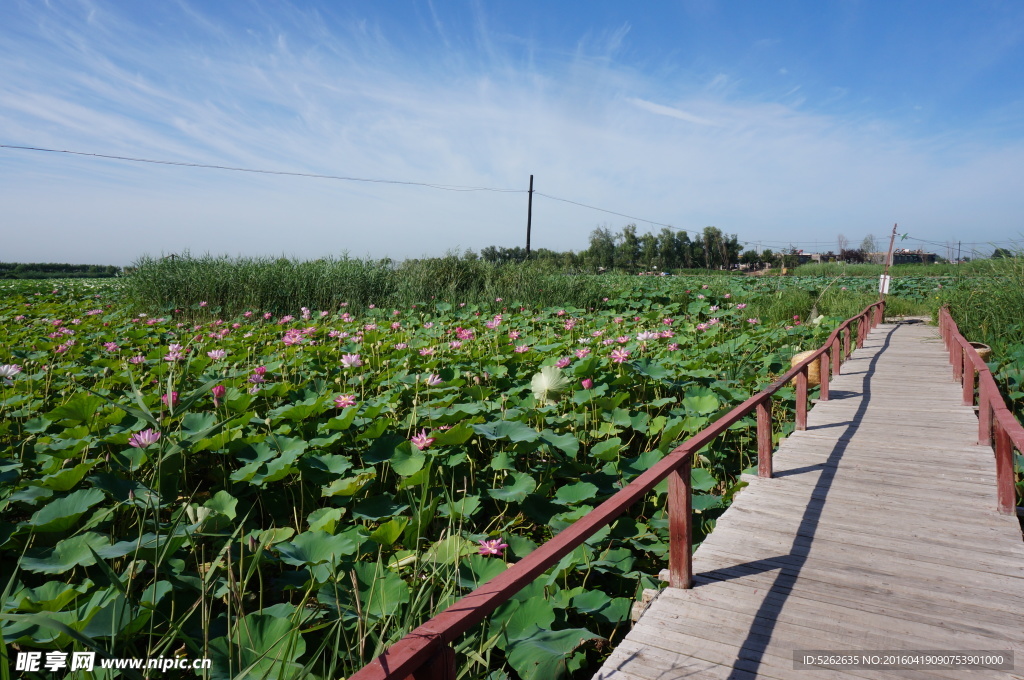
(431,185)
(446,187)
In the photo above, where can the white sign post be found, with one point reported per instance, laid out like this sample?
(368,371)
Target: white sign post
(883,284)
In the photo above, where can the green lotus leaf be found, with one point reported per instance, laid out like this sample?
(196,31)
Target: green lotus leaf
(62,513)
(517,486)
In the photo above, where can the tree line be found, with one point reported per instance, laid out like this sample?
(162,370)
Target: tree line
(662,251)
(54,270)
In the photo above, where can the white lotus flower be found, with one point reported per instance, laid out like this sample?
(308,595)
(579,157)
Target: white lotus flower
(8,371)
(548,384)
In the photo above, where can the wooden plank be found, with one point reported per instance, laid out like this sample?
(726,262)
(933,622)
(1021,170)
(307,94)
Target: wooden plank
(883,535)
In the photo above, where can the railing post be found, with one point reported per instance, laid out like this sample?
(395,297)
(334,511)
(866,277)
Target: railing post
(1006,494)
(968,378)
(824,364)
(953,347)
(984,413)
(801,399)
(441,666)
(764,439)
(836,356)
(958,362)
(846,343)
(680,526)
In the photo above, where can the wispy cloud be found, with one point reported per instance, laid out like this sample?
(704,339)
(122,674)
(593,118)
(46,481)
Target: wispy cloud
(451,103)
(662,110)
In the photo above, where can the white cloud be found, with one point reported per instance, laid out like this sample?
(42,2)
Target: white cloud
(662,110)
(299,93)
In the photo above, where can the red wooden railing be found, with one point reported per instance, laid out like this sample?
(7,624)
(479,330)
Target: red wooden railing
(996,424)
(426,652)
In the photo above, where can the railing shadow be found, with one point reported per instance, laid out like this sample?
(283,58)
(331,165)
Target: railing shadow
(789,565)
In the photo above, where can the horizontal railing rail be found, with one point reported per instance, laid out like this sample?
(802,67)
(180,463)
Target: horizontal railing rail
(997,426)
(426,652)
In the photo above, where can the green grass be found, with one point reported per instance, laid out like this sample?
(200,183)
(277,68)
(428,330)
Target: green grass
(843,269)
(230,286)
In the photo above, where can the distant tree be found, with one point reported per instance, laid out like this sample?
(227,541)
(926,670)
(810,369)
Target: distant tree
(648,250)
(1003,252)
(750,257)
(602,248)
(842,243)
(852,256)
(470,255)
(627,252)
(868,245)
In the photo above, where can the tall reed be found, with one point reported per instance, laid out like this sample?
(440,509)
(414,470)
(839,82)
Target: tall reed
(230,286)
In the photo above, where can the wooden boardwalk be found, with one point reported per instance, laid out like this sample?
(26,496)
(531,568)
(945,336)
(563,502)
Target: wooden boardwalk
(878,533)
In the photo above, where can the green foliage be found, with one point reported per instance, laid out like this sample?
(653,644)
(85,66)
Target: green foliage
(302,511)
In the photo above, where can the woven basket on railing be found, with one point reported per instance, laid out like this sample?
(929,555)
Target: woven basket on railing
(813,368)
(983,350)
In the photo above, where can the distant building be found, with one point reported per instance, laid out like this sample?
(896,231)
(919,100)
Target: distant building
(906,256)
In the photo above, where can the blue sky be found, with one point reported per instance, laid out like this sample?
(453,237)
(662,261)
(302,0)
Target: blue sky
(782,122)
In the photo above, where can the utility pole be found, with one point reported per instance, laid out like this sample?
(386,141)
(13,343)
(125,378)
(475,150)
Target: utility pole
(883,284)
(529,218)
(958,252)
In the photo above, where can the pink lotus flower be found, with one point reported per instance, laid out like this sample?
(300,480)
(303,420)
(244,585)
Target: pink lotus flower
(513,335)
(401,345)
(492,546)
(619,355)
(668,322)
(260,370)
(521,349)
(753,321)
(110,346)
(137,359)
(426,351)
(563,362)
(742,305)
(141,440)
(351,360)
(345,400)
(702,326)
(673,346)
(173,399)
(217,354)
(582,353)
(587,383)
(433,380)
(455,344)
(218,392)
(421,440)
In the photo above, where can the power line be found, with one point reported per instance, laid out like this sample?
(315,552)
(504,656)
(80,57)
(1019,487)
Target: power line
(446,187)
(610,212)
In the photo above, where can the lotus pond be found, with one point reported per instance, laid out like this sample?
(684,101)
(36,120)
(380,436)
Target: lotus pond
(288,495)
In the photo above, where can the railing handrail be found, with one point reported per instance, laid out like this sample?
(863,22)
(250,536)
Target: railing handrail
(430,642)
(996,422)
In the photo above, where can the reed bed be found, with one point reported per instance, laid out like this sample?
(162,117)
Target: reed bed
(230,286)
